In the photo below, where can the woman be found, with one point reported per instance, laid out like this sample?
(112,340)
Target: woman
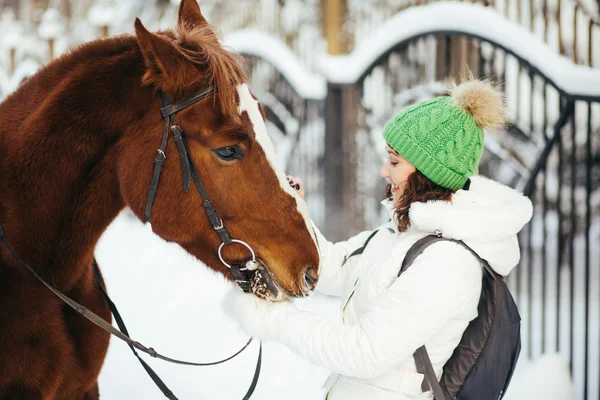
(434,149)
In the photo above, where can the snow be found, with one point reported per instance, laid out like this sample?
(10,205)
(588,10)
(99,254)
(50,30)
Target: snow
(283,141)
(547,378)
(277,53)
(468,18)
(591,9)
(291,16)
(11,29)
(52,24)
(24,69)
(101,14)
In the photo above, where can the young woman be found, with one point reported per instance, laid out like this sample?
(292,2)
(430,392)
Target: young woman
(434,149)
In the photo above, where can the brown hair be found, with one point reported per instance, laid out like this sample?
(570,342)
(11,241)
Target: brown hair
(420,189)
(224,69)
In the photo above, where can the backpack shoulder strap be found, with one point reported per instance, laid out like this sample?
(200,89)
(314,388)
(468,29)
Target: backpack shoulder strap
(420,245)
(416,249)
(364,246)
(422,360)
(424,366)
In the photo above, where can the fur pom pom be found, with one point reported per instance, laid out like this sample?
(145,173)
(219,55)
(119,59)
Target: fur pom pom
(481,99)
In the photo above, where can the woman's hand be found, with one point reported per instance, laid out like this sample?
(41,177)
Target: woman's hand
(297,185)
(259,318)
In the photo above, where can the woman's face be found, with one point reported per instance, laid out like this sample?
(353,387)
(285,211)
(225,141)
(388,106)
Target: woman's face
(396,171)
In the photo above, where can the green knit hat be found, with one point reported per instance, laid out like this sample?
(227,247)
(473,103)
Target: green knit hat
(443,137)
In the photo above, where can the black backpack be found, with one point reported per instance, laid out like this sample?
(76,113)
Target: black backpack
(483,363)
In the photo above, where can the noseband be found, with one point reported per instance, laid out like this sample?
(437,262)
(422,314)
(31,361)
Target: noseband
(242,274)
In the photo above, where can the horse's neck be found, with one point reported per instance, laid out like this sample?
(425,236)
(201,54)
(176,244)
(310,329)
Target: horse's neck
(57,171)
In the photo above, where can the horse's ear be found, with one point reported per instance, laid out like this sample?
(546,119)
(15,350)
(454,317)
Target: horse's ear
(161,56)
(190,16)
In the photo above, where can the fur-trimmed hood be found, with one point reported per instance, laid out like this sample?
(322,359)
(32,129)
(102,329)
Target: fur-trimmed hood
(487,217)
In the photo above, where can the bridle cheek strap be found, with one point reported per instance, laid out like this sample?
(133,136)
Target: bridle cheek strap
(183,156)
(168,111)
(159,162)
(188,168)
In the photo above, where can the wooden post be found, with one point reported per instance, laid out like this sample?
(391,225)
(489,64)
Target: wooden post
(51,49)
(443,58)
(334,15)
(575,38)
(337,136)
(352,207)
(344,213)
(456,55)
(333,163)
(13,60)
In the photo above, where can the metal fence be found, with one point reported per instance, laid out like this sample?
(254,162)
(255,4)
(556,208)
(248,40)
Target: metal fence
(560,271)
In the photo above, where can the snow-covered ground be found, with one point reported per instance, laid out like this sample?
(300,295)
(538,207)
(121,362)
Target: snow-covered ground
(172,302)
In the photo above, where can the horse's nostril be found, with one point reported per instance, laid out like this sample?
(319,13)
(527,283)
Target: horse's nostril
(311,276)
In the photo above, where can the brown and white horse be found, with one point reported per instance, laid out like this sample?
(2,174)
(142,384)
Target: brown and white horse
(77,145)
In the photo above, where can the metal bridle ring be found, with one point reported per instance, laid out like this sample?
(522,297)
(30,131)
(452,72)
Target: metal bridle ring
(240,242)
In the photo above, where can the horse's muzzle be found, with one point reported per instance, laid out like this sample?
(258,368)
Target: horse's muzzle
(264,286)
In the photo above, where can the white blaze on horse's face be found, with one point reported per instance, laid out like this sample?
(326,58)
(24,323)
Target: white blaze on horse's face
(250,105)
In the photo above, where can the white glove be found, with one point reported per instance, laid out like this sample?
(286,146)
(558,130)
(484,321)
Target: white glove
(259,318)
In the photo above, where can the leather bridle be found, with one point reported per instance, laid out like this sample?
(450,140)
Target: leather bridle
(242,274)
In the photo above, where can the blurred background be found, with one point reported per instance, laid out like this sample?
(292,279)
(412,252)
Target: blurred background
(330,73)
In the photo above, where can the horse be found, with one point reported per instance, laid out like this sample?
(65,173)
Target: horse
(78,144)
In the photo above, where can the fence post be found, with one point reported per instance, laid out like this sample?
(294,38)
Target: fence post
(13,60)
(333,163)
(336,176)
(334,15)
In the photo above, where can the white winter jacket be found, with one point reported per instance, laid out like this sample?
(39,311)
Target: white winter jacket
(386,318)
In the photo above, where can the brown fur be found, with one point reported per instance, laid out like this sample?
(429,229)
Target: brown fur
(483,101)
(77,144)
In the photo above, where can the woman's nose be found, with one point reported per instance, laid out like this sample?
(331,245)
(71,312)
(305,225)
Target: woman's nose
(383,171)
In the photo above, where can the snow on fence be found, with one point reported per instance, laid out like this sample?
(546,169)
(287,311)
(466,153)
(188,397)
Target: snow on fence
(255,43)
(569,27)
(476,20)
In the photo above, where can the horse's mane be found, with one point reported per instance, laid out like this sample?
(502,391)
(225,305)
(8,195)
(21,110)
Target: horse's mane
(223,69)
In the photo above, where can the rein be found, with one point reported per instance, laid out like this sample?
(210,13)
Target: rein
(241,274)
(123,334)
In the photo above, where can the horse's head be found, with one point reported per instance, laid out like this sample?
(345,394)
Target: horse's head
(226,139)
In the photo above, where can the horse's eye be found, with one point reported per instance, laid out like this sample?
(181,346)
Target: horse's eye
(229,153)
